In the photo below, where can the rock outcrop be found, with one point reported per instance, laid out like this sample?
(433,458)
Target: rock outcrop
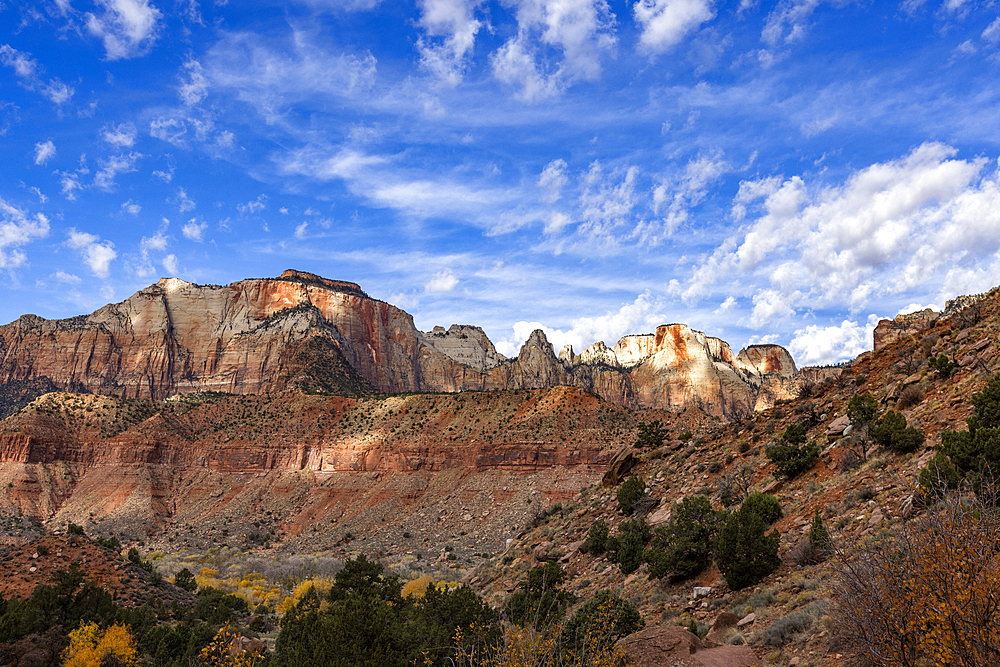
(303,331)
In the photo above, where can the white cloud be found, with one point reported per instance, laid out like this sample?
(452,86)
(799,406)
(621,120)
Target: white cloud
(453,22)
(183,202)
(195,89)
(128,28)
(817,345)
(606,203)
(171,130)
(122,136)
(158,242)
(674,198)
(666,22)
(194,230)
(63,277)
(272,80)
(553,180)
(992,32)
(514,65)
(300,230)
(44,151)
(887,229)
(165,176)
(70,182)
(112,166)
(17,229)
(131,207)
(252,207)
(97,254)
(42,198)
(641,316)
(788,22)
(170,265)
(726,305)
(583,30)
(29,72)
(443,281)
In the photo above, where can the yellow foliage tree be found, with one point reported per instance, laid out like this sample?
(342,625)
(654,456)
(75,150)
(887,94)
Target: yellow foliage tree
(222,651)
(930,595)
(89,646)
(417,587)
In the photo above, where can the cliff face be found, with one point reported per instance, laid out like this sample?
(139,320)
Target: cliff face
(302,331)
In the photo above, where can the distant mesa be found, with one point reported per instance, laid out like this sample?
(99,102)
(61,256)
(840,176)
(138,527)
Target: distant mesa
(303,331)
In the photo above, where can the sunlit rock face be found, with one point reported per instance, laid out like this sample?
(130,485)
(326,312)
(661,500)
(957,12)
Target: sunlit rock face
(303,331)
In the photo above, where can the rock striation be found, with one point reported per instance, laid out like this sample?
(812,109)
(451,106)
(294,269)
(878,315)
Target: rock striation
(302,331)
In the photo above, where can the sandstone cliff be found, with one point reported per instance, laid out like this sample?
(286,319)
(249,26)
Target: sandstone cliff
(303,331)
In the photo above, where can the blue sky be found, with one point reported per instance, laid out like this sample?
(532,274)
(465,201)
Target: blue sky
(766,172)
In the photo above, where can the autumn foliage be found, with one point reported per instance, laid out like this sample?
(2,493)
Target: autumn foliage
(89,646)
(929,596)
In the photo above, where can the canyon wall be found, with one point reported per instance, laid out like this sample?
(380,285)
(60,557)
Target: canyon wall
(306,332)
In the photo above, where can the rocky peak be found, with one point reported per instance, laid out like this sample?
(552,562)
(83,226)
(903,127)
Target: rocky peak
(766,360)
(466,344)
(599,353)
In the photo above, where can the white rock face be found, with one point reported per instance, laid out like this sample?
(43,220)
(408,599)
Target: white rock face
(465,344)
(599,353)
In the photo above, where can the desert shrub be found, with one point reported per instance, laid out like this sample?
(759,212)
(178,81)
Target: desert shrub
(605,614)
(630,492)
(185,579)
(975,453)
(627,548)
(909,397)
(813,547)
(891,432)
(683,548)
(92,647)
(943,365)
(539,600)
(937,477)
(792,460)
(74,529)
(650,434)
(744,552)
(734,486)
(597,538)
(786,627)
(931,591)
(765,505)
(795,434)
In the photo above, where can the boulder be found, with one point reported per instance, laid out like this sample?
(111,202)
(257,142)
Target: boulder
(722,624)
(619,467)
(674,646)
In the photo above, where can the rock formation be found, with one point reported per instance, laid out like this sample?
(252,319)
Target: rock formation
(307,332)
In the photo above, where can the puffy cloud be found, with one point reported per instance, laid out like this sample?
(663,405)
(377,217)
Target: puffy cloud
(128,28)
(17,229)
(183,202)
(887,229)
(170,264)
(112,166)
(97,254)
(122,136)
(70,183)
(63,277)
(194,230)
(300,230)
(30,72)
(252,207)
(666,22)
(992,32)
(583,30)
(816,345)
(553,180)
(131,207)
(641,316)
(195,88)
(44,151)
(165,176)
(453,22)
(443,281)
(171,130)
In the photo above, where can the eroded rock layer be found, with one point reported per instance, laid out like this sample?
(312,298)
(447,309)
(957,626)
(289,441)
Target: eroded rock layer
(303,331)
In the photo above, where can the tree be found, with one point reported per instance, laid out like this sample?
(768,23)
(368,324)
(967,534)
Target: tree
(792,460)
(604,619)
(683,548)
(629,493)
(891,432)
(744,552)
(89,646)
(597,538)
(931,593)
(184,579)
(220,653)
(651,435)
(975,453)
(862,410)
(539,600)
(627,548)
(734,486)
